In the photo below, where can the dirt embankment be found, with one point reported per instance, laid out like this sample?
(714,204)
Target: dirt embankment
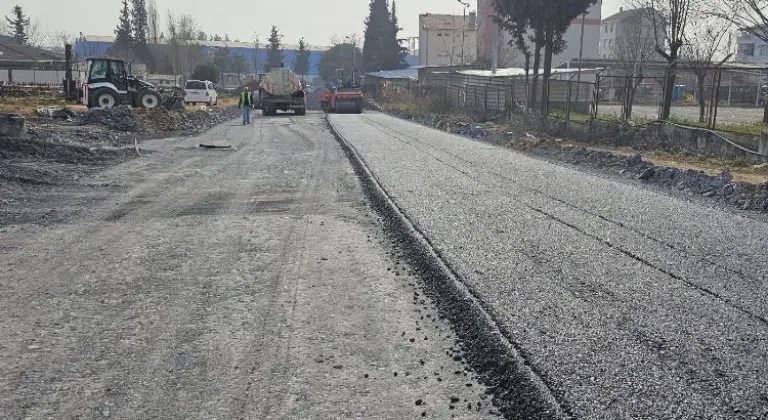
(734,183)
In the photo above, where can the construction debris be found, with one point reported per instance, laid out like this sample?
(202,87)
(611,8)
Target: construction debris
(214,146)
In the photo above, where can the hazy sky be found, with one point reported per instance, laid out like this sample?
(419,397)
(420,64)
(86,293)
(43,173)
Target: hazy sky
(316,20)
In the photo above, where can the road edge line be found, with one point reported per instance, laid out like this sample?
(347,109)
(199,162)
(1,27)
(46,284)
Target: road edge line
(518,391)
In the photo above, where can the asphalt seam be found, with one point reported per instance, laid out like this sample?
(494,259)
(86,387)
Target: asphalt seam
(453,296)
(701,289)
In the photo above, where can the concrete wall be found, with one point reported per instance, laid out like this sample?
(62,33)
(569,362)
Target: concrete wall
(51,77)
(443,47)
(662,136)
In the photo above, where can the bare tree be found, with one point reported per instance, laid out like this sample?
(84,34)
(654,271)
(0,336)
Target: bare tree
(183,30)
(750,16)
(671,18)
(37,35)
(633,48)
(706,40)
(153,23)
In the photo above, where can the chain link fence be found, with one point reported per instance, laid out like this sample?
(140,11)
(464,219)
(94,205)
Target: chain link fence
(723,99)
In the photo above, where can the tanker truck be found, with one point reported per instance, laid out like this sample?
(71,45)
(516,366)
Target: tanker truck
(282,90)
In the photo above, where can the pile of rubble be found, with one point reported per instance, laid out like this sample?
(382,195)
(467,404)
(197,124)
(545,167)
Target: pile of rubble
(121,119)
(173,121)
(127,120)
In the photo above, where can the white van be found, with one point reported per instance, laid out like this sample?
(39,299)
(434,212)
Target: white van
(200,91)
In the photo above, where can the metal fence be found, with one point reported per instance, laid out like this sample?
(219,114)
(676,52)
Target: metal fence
(724,99)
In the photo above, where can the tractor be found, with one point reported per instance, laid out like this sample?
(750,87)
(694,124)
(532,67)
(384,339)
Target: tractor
(108,84)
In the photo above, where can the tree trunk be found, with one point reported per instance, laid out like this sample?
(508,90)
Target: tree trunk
(626,100)
(671,78)
(702,100)
(765,111)
(545,79)
(536,65)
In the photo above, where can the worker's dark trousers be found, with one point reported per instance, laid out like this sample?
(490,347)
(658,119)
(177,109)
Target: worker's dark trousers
(246,115)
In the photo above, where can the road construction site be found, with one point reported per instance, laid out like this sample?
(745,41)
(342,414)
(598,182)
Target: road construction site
(363,266)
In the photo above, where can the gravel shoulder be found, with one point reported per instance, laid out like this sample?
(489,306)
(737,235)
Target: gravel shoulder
(247,283)
(627,302)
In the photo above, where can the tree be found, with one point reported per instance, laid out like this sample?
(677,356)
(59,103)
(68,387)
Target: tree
(342,55)
(672,18)
(207,71)
(228,62)
(395,51)
(140,28)
(123,45)
(275,51)
(301,65)
(216,38)
(18,25)
(201,36)
(543,23)
(705,40)
(226,38)
(153,23)
(38,36)
(750,16)
(184,55)
(633,48)
(381,48)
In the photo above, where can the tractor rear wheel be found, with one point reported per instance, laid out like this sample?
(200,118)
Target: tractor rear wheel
(150,99)
(105,99)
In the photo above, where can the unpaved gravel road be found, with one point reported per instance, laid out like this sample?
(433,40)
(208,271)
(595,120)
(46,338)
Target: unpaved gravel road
(628,303)
(253,283)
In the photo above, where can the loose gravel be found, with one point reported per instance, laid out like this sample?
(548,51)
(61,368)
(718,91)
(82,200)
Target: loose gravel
(721,189)
(626,302)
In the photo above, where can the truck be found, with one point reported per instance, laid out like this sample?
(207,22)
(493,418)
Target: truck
(282,90)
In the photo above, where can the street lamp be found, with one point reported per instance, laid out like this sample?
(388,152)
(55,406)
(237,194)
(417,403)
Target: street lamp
(463,30)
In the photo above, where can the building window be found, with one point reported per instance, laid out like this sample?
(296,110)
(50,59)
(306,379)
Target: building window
(611,27)
(747,50)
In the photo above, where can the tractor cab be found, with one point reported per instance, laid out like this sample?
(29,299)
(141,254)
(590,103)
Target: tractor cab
(109,84)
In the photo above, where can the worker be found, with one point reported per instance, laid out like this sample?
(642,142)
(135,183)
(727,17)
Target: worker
(246,103)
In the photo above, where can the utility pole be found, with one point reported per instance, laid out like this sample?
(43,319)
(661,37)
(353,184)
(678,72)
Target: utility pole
(463,30)
(495,52)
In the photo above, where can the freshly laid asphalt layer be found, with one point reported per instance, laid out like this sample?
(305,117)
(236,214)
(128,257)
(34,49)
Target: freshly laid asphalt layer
(624,302)
(255,282)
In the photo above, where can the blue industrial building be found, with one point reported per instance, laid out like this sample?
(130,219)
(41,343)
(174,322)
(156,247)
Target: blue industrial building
(97,46)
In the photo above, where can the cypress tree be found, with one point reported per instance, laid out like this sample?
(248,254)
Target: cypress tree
(275,51)
(18,25)
(123,32)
